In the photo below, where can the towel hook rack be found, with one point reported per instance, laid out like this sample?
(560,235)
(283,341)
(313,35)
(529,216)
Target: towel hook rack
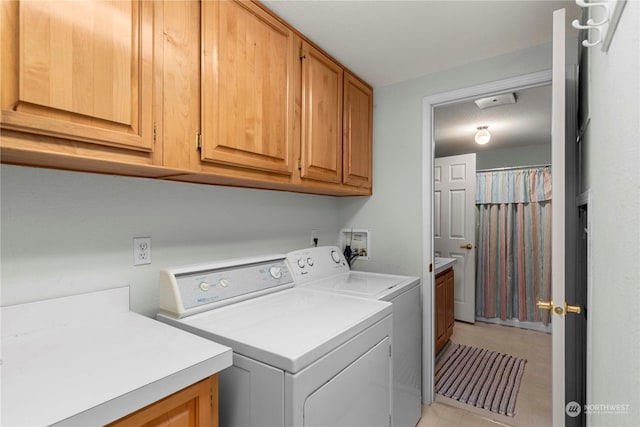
(591,24)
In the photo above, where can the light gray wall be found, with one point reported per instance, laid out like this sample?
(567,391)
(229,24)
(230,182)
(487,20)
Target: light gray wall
(394,212)
(67,232)
(517,156)
(612,162)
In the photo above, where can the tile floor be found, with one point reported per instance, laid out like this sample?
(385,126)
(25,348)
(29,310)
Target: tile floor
(533,407)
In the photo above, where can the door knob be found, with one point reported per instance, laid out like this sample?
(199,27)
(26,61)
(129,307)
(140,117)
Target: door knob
(467,246)
(548,305)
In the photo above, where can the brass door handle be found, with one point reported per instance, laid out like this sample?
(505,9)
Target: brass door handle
(467,246)
(559,310)
(575,309)
(545,305)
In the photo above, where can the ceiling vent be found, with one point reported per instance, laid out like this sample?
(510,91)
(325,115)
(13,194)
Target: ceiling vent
(494,101)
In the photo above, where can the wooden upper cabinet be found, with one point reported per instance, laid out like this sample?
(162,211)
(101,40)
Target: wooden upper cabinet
(79,70)
(247,87)
(322,87)
(358,124)
(217,92)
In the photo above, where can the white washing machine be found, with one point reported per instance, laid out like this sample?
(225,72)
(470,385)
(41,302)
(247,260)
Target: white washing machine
(324,268)
(301,357)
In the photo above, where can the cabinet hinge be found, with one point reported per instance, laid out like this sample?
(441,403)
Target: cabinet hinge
(155,132)
(299,164)
(430,268)
(301,54)
(198,141)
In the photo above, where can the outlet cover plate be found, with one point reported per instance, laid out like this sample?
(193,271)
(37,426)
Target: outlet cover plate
(141,250)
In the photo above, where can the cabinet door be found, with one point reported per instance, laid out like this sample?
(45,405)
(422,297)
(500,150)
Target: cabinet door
(322,86)
(79,70)
(247,88)
(357,128)
(194,406)
(450,302)
(441,313)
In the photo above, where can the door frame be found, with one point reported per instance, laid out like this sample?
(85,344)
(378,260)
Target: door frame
(525,81)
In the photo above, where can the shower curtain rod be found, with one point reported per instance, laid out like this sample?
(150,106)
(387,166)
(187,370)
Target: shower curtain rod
(512,168)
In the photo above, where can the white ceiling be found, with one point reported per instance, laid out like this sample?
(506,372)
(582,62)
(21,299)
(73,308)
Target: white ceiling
(390,41)
(527,122)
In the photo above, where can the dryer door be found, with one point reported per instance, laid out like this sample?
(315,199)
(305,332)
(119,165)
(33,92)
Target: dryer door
(357,396)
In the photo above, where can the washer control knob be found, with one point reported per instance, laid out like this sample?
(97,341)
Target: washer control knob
(224,283)
(276,272)
(204,286)
(300,262)
(335,256)
(310,262)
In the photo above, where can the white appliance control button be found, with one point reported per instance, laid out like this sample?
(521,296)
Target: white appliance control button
(300,263)
(310,262)
(224,283)
(335,256)
(276,272)
(204,286)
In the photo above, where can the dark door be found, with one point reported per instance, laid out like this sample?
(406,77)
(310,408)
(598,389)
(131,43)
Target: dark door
(576,329)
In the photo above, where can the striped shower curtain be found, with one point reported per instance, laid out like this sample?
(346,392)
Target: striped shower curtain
(514,243)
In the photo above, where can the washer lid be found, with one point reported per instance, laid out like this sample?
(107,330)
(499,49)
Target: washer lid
(288,329)
(363,284)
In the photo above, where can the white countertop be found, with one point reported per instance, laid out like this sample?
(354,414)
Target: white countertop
(441,264)
(86,360)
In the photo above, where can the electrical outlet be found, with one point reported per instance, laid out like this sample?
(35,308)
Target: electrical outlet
(141,250)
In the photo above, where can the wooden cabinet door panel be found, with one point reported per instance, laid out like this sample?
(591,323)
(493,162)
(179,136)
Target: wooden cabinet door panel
(247,96)
(322,87)
(444,308)
(80,70)
(358,125)
(440,315)
(449,302)
(194,406)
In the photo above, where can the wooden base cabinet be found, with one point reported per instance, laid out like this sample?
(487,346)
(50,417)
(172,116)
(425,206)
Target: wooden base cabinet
(444,308)
(194,406)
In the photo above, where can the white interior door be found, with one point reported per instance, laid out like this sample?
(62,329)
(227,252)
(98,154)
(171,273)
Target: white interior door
(558,124)
(454,180)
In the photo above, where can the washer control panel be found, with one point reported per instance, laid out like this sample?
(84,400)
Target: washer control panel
(315,263)
(186,290)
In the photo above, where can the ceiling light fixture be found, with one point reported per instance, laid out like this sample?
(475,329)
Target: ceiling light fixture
(482,135)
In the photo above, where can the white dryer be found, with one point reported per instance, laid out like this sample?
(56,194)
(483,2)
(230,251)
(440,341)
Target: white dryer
(325,268)
(301,357)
